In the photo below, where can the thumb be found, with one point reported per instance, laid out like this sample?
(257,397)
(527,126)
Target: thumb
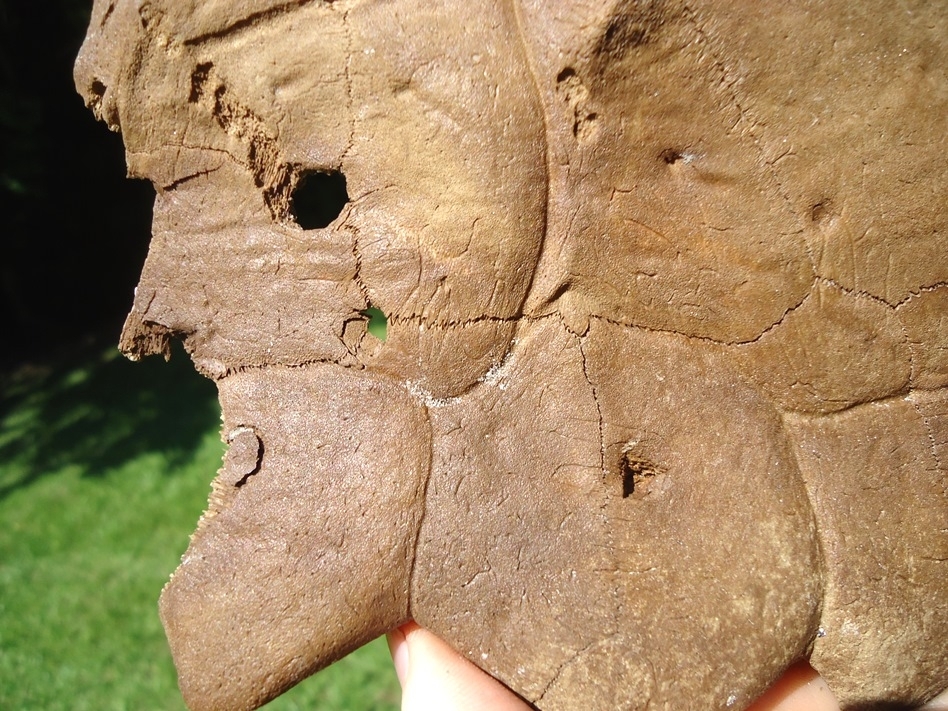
(436,678)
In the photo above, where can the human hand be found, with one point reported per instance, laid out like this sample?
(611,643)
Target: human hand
(436,678)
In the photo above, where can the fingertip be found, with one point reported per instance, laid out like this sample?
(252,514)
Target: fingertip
(939,703)
(435,677)
(398,648)
(801,688)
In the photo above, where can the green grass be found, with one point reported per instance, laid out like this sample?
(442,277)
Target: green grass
(104,470)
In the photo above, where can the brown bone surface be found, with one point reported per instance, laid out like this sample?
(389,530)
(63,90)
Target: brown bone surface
(663,405)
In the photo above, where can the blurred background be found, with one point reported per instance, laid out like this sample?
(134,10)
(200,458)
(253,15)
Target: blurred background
(105,464)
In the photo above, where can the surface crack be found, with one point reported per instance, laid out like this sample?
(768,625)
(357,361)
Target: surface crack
(252,20)
(926,409)
(348,76)
(177,182)
(547,168)
(453,323)
(753,124)
(249,367)
(612,585)
(921,290)
(413,564)
(263,158)
(856,292)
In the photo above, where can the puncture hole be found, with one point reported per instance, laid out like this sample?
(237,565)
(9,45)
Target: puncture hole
(318,199)
(636,475)
(378,322)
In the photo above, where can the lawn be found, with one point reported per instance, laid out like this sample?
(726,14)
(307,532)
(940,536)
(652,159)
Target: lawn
(104,469)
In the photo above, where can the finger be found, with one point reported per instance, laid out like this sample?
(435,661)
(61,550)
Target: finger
(939,703)
(433,676)
(436,678)
(398,648)
(799,689)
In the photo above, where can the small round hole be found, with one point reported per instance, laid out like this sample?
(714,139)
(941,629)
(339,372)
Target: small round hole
(671,156)
(378,322)
(318,199)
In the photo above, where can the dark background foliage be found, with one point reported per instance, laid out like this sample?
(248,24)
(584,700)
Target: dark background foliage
(74,229)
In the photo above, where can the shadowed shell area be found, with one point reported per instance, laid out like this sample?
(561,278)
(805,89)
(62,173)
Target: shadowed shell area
(665,362)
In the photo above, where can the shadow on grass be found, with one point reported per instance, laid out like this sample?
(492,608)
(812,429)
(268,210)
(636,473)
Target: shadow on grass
(97,410)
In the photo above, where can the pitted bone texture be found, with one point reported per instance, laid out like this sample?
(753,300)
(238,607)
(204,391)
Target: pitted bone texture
(663,404)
